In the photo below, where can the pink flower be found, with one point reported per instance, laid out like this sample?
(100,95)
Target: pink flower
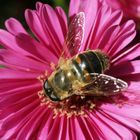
(27,59)
(131,8)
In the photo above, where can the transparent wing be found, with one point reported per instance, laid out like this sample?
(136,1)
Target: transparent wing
(74,38)
(103,85)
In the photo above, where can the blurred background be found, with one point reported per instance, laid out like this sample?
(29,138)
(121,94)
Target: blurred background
(16,8)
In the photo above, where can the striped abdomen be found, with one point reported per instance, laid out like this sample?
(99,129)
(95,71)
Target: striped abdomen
(90,62)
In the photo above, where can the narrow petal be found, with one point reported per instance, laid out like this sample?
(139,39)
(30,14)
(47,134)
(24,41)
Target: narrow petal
(62,19)
(55,34)
(12,74)
(108,126)
(17,60)
(133,67)
(124,37)
(129,111)
(13,123)
(35,25)
(39,6)
(126,54)
(127,122)
(13,97)
(89,130)
(28,131)
(87,7)
(104,21)
(18,86)
(9,41)
(76,130)
(107,38)
(15,27)
(55,127)
(20,45)
(46,126)
(9,111)
(60,128)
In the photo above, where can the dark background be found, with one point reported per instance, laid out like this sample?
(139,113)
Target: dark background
(16,8)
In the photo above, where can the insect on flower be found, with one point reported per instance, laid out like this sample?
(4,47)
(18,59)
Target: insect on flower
(58,84)
(81,74)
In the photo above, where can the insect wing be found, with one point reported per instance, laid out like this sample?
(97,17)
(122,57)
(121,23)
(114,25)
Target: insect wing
(74,36)
(103,85)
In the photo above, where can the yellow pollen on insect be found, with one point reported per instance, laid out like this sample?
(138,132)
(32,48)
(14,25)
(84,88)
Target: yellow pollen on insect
(53,66)
(71,108)
(28,69)
(42,78)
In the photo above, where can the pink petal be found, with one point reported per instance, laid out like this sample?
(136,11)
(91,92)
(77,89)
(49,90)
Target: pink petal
(15,27)
(110,128)
(12,74)
(39,6)
(62,19)
(90,131)
(34,22)
(104,20)
(9,41)
(29,130)
(20,44)
(134,85)
(37,50)
(125,68)
(127,122)
(62,128)
(14,123)
(57,127)
(127,54)
(20,61)
(125,36)
(19,106)
(132,77)
(76,131)
(18,86)
(46,126)
(128,111)
(115,3)
(107,38)
(87,7)
(55,34)
(13,97)
(132,93)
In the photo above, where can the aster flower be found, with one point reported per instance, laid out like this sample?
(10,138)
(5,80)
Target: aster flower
(131,8)
(29,60)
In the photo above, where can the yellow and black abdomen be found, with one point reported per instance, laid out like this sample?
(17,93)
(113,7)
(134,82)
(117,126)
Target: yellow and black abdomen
(90,62)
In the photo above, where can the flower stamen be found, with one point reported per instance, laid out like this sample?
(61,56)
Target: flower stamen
(42,78)
(73,106)
(53,66)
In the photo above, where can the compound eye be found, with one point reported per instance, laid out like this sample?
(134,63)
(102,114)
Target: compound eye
(49,91)
(47,85)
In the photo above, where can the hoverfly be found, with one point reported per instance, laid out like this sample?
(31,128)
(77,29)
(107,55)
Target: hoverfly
(81,74)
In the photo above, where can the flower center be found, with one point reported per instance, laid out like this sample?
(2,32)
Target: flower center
(74,105)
